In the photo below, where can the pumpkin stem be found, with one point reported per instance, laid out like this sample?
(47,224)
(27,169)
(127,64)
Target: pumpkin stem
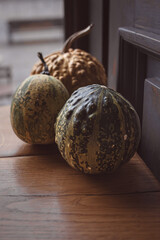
(45,71)
(75,36)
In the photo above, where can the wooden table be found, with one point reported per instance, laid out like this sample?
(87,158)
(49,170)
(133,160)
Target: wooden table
(41,197)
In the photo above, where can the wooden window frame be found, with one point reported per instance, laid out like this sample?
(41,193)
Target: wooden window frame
(134,49)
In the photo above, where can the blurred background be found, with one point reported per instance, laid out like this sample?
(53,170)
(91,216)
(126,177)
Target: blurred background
(26,27)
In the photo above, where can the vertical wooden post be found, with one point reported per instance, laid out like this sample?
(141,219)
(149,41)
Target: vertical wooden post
(76,18)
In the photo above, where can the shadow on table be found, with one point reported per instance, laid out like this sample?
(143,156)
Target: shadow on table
(24,149)
(51,175)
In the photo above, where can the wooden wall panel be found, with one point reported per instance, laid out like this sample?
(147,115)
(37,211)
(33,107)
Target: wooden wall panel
(121,14)
(147,15)
(96,33)
(150,142)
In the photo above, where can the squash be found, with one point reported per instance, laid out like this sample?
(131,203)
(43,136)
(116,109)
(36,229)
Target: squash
(35,106)
(74,67)
(97,130)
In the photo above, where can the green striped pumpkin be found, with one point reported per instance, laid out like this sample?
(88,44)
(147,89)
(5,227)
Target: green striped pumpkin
(35,106)
(97,130)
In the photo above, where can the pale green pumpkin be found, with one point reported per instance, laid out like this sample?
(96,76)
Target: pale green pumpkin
(35,106)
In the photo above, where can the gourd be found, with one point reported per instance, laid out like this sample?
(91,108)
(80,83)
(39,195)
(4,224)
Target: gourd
(74,67)
(35,106)
(97,130)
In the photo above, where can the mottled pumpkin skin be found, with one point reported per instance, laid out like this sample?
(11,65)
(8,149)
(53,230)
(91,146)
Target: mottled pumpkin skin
(35,106)
(75,68)
(97,130)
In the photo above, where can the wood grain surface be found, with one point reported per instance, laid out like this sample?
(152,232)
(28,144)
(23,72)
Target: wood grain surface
(81,217)
(51,175)
(42,197)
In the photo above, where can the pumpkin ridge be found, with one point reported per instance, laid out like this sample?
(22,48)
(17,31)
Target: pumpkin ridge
(73,149)
(19,108)
(62,130)
(133,134)
(106,157)
(93,138)
(122,127)
(133,131)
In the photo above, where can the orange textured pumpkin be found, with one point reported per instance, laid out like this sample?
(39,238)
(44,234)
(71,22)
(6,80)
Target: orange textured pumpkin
(74,67)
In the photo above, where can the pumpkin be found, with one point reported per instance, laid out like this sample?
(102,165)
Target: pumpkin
(97,130)
(74,67)
(35,106)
